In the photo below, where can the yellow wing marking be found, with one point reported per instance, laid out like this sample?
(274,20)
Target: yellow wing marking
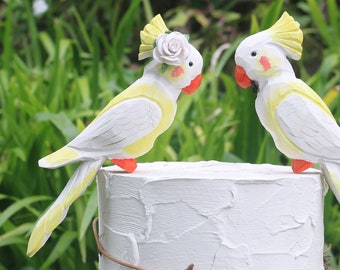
(299,88)
(144,144)
(58,158)
(168,108)
(155,94)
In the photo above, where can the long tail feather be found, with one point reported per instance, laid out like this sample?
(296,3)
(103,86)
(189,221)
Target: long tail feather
(332,175)
(61,157)
(79,181)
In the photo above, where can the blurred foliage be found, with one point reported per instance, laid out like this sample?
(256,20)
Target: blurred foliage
(58,69)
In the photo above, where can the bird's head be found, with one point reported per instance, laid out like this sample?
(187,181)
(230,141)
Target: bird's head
(264,54)
(174,58)
(185,75)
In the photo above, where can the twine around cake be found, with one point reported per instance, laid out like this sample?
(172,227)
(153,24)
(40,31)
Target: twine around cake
(102,251)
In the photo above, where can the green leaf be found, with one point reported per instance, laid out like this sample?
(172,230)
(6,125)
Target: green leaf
(320,21)
(164,67)
(124,27)
(148,9)
(272,14)
(90,210)
(62,245)
(333,13)
(254,25)
(18,231)
(48,44)
(18,205)
(18,240)
(62,123)
(82,29)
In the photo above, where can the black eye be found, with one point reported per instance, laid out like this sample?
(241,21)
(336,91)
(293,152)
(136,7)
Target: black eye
(253,53)
(191,64)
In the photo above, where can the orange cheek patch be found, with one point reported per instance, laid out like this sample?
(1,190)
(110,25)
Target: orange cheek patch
(265,63)
(177,72)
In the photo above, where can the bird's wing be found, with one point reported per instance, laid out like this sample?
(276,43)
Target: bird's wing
(118,127)
(309,127)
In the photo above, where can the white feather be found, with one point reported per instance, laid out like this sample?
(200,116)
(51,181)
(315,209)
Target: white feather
(310,128)
(117,128)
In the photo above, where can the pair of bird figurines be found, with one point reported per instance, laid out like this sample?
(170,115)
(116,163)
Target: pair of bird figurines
(302,126)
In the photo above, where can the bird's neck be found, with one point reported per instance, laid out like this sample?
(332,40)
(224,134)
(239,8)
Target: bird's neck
(285,73)
(167,88)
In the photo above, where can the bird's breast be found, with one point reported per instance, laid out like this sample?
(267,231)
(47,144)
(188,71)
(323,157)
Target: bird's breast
(266,107)
(144,144)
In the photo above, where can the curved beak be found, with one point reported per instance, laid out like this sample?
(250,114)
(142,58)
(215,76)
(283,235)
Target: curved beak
(241,77)
(194,84)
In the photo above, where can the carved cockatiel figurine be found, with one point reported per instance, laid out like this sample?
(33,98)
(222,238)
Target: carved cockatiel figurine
(300,123)
(129,125)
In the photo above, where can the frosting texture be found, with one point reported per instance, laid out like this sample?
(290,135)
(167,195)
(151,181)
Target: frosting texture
(215,215)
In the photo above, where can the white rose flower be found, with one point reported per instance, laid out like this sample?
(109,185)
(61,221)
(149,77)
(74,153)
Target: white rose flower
(171,49)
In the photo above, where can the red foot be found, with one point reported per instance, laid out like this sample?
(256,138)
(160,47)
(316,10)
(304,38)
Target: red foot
(299,165)
(128,164)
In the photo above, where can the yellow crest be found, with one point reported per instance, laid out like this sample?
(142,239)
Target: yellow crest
(149,34)
(287,33)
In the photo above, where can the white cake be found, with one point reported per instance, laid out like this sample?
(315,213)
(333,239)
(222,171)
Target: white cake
(221,216)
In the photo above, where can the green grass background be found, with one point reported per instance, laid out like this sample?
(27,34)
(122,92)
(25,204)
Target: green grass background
(59,69)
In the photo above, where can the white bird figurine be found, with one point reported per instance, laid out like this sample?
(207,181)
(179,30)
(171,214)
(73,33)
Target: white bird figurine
(129,125)
(301,124)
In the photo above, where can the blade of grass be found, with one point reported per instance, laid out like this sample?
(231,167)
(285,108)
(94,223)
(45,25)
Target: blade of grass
(147,10)
(333,13)
(90,210)
(7,40)
(124,28)
(19,230)
(82,29)
(94,81)
(272,13)
(33,34)
(18,205)
(320,21)
(63,243)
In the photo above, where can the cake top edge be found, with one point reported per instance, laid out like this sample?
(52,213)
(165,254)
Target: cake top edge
(211,170)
